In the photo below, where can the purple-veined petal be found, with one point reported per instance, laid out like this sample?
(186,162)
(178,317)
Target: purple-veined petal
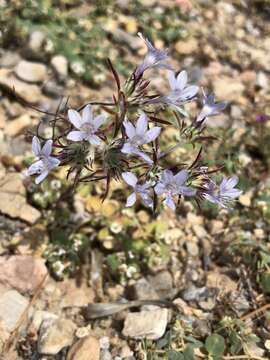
(153,133)
(169,202)
(233,193)
(228,183)
(128,148)
(87,114)
(171,79)
(98,121)
(130,129)
(93,139)
(159,188)
(205,112)
(141,126)
(35,168)
(131,199)
(75,118)
(147,200)
(167,177)
(53,162)
(188,93)
(47,148)
(130,178)
(181,177)
(213,199)
(75,136)
(42,176)
(181,80)
(145,157)
(187,191)
(146,41)
(220,106)
(36,147)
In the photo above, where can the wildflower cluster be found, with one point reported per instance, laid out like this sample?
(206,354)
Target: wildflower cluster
(127,144)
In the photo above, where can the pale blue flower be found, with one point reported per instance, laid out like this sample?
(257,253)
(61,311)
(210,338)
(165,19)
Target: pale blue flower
(179,92)
(86,124)
(171,185)
(153,58)
(45,163)
(141,190)
(138,136)
(210,107)
(224,194)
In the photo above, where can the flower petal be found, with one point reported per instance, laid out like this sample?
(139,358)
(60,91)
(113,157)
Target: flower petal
(87,114)
(181,177)
(187,191)
(130,129)
(131,199)
(233,193)
(147,200)
(167,177)
(188,93)
(145,157)
(75,118)
(99,120)
(93,139)
(42,176)
(35,168)
(130,178)
(75,136)
(228,183)
(169,202)
(159,188)
(128,148)
(47,148)
(171,79)
(181,80)
(153,133)
(53,162)
(142,123)
(36,147)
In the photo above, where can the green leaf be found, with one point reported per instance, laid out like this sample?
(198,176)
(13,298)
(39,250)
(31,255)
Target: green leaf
(195,343)
(236,344)
(189,353)
(265,282)
(175,355)
(164,341)
(215,344)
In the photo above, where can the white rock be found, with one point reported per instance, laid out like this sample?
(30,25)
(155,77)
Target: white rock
(87,348)
(23,273)
(13,199)
(146,324)
(262,80)
(12,307)
(28,92)
(54,335)
(36,40)
(9,59)
(60,65)
(17,125)
(226,89)
(31,71)
(40,316)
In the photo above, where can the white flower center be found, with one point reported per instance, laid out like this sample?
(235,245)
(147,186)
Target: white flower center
(87,128)
(137,140)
